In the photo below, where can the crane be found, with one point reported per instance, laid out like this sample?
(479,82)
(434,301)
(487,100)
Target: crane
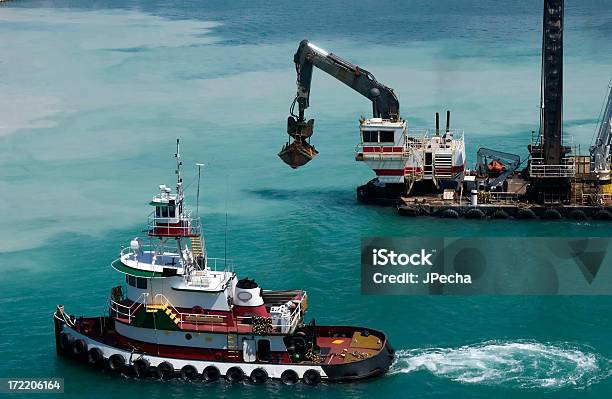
(600,151)
(385,104)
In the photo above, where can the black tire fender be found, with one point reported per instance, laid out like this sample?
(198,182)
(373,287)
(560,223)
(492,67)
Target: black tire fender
(259,376)
(234,374)
(475,214)
(578,214)
(603,215)
(500,214)
(79,348)
(289,377)
(211,373)
(311,377)
(66,342)
(141,367)
(449,214)
(526,214)
(116,363)
(551,214)
(189,373)
(95,356)
(165,370)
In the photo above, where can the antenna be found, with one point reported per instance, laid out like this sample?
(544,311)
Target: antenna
(225,241)
(225,238)
(199,165)
(179,180)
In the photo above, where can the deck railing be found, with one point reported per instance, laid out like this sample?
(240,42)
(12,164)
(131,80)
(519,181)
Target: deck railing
(185,226)
(199,321)
(121,311)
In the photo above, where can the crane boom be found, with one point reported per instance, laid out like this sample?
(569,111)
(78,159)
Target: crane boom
(384,101)
(600,151)
(385,104)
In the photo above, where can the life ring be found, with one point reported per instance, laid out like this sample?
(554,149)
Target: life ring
(189,373)
(165,370)
(475,214)
(65,342)
(289,377)
(79,348)
(211,373)
(234,374)
(449,214)
(312,377)
(218,355)
(141,367)
(95,356)
(259,376)
(116,362)
(551,214)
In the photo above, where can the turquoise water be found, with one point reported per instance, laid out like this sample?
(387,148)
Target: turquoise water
(92,99)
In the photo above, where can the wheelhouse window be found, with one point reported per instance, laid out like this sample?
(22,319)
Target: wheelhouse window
(138,282)
(370,136)
(387,136)
(158,211)
(171,211)
(141,283)
(164,211)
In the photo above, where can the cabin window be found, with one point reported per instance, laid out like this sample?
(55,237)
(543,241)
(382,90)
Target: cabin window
(171,211)
(263,349)
(141,283)
(370,136)
(131,280)
(387,136)
(158,211)
(164,211)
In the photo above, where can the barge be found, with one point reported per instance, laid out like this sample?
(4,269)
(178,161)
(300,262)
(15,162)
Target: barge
(423,172)
(183,314)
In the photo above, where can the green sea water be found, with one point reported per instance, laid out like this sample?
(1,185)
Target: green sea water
(92,98)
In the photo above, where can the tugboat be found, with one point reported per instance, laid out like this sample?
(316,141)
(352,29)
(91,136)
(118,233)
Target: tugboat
(182,314)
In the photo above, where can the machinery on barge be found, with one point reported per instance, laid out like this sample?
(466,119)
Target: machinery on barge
(184,314)
(405,160)
(425,174)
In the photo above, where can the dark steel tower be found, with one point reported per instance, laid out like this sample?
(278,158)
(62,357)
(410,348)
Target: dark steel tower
(550,173)
(552,82)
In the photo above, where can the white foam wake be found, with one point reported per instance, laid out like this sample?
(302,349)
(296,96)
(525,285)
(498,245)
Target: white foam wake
(519,364)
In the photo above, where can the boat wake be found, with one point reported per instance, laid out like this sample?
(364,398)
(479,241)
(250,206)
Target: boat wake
(514,364)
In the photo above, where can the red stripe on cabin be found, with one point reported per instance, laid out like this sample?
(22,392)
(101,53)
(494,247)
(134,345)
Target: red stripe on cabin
(389,172)
(383,149)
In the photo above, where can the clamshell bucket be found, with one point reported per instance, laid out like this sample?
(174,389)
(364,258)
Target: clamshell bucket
(297,154)
(300,152)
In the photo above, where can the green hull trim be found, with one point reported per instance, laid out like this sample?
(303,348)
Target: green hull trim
(120,267)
